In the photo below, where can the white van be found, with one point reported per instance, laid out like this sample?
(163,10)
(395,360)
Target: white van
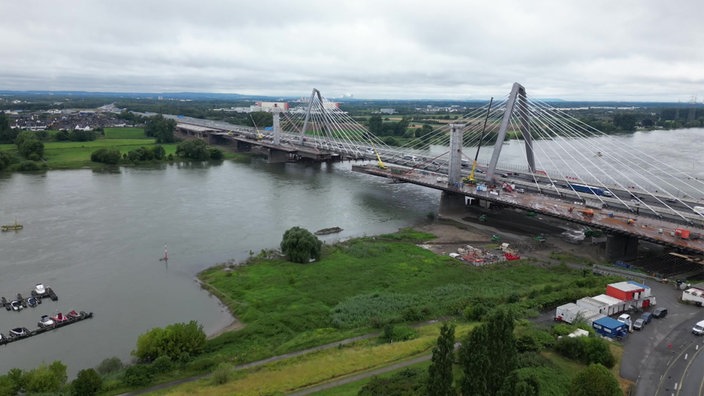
(698,328)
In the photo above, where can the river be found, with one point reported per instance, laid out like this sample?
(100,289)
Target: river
(96,238)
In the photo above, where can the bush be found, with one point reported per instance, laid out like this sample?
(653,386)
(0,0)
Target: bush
(407,382)
(215,154)
(109,156)
(30,166)
(587,350)
(222,374)
(137,375)
(109,365)
(179,341)
(45,379)
(162,364)
(87,383)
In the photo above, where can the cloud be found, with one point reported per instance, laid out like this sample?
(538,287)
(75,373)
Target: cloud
(597,50)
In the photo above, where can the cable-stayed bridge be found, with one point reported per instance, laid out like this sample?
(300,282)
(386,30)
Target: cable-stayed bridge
(552,164)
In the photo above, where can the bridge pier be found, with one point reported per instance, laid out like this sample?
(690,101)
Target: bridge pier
(276,156)
(621,247)
(451,203)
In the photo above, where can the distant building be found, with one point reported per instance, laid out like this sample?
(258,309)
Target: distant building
(387,111)
(270,106)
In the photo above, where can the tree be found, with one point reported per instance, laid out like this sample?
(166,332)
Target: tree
(106,156)
(475,359)
(46,379)
(179,341)
(87,383)
(503,348)
(29,146)
(7,134)
(625,122)
(440,382)
(193,149)
(300,245)
(375,125)
(488,355)
(160,128)
(595,380)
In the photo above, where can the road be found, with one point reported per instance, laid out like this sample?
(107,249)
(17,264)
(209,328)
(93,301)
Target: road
(665,353)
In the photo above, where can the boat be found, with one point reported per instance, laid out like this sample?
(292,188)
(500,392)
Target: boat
(39,290)
(16,305)
(59,318)
(19,332)
(12,227)
(73,315)
(45,321)
(33,301)
(326,231)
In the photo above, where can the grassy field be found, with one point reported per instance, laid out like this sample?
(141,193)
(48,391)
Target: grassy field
(125,133)
(75,155)
(361,285)
(295,373)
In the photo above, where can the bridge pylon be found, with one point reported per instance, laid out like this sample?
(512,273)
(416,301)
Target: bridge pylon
(454,175)
(518,98)
(310,107)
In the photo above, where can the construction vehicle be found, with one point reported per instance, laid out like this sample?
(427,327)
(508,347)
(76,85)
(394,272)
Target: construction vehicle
(507,187)
(682,233)
(587,212)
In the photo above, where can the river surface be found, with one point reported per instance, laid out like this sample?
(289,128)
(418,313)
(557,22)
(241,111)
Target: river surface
(96,239)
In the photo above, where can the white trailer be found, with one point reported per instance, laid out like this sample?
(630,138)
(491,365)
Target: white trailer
(612,305)
(592,304)
(572,312)
(693,295)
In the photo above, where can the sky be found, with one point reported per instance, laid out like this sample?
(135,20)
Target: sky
(596,50)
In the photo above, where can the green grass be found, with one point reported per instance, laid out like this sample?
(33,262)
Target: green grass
(71,155)
(288,306)
(75,155)
(125,133)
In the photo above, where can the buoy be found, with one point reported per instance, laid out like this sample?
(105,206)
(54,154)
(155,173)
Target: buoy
(166,254)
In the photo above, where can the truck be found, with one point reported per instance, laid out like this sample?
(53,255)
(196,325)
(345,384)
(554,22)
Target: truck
(593,190)
(593,203)
(693,295)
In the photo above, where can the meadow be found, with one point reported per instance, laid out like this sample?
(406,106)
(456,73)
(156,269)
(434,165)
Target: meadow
(76,155)
(363,285)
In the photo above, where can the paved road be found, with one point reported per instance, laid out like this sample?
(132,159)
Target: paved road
(665,351)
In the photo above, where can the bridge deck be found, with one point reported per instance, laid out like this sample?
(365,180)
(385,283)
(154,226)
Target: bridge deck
(614,221)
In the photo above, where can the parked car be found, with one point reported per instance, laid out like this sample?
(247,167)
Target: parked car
(698,328)
(625,318)
(639,324)
(647,317)
(659,312)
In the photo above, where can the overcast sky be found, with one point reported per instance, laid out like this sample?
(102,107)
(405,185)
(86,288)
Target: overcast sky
(576,50)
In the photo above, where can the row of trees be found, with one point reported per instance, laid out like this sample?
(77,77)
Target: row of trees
(494,363)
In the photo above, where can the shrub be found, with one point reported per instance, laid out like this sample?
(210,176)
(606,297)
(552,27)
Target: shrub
(106,156)
(179,341)
(222,374)
(137,375)
(162,364)
(109,365)
(87,383)
(586,350)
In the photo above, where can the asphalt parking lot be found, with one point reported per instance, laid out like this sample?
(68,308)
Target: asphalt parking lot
(649,353)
